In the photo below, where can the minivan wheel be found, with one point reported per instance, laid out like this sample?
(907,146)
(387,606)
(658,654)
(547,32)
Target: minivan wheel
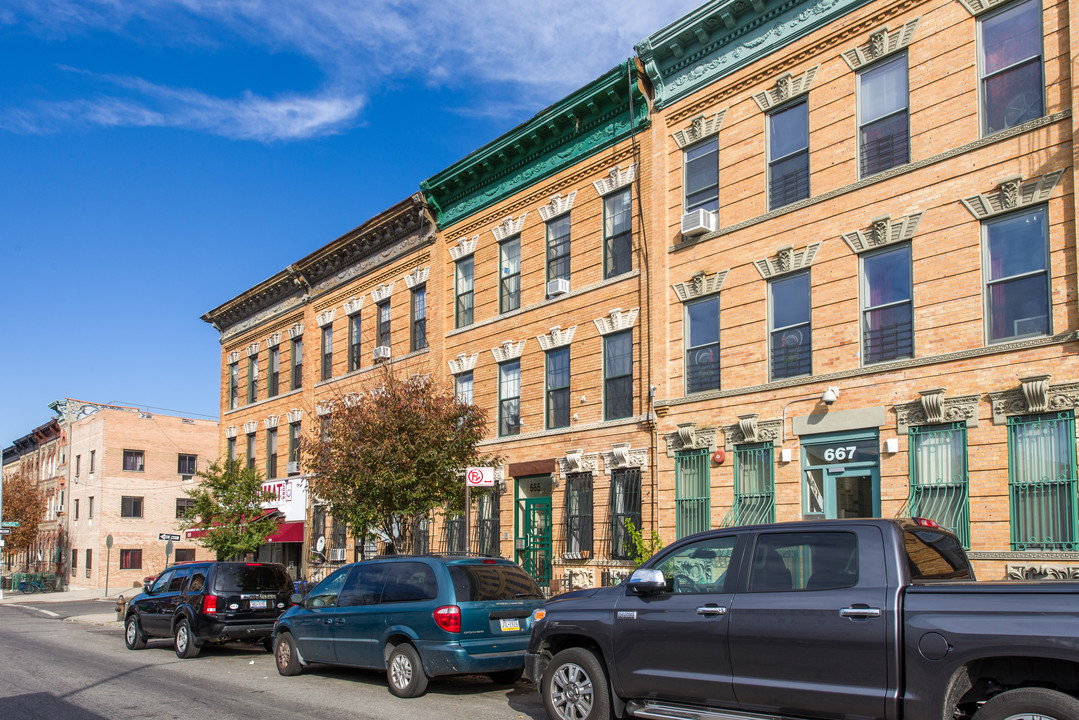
(133,637)
(506,677)
(1030,703)
(574,687)
(404,671)
(285,655)
(185,641)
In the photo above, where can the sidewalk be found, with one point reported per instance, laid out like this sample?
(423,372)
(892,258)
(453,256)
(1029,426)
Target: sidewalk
(106,616)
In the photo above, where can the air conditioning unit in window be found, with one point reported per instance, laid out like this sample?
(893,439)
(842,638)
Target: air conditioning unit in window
(187,478)
(59,509)
(558,286)
(337,554)
(293,467)
(698,222)
(382,352)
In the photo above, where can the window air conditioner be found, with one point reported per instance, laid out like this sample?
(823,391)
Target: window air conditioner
(337,554)
(187,478)
(293,467)
(558,286)
(382,352)
(698,222)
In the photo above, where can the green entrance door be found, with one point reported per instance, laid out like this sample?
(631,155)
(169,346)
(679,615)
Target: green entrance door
(535,555)
(842,475)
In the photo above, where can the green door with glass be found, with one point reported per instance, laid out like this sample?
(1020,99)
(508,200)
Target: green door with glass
(533,540)
(841,474)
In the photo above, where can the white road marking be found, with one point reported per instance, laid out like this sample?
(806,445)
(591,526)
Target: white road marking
(50,613)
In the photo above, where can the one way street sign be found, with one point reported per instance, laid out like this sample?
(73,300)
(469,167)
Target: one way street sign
(167,536)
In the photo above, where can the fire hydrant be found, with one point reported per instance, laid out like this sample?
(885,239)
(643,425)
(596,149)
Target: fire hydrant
(121,607)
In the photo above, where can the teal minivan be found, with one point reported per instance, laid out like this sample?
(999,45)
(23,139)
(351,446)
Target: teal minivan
(416,617)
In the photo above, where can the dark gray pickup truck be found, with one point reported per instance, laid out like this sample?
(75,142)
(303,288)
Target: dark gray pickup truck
(826,619)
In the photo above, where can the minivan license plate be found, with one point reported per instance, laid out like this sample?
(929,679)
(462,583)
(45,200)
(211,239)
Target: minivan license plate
(258,604)
(509,624)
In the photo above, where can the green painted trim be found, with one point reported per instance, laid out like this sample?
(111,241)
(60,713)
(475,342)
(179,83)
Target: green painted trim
(583,124)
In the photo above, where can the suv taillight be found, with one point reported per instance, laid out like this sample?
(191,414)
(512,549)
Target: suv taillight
(448,617)
(209,604)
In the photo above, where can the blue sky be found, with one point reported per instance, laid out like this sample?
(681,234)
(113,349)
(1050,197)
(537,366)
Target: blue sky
(159,157)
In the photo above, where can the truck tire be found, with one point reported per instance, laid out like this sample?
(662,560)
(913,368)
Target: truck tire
(574,687)
(1028,704)
(404,672)
(185,640)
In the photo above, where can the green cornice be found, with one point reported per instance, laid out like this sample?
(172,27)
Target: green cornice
(723,35)
(588,121)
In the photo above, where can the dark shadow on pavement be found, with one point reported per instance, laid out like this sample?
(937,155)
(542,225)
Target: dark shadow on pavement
(43,705)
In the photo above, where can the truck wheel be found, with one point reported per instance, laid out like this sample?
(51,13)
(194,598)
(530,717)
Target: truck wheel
(1029,704)
(575,687)
(185,641)
(133,637)
(285,655)
(404,671)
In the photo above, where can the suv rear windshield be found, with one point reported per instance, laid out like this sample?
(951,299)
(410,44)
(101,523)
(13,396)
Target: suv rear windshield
(932,555)
(252,578)
(476,582)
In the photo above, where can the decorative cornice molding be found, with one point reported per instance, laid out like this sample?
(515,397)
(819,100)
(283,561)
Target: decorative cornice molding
(933,408)
(250,427)
(464,247)
(1034,395)
(699,128)
(353,305)
(616,320)
(699,285)
(463,363)
(881,43)
(751,429)
(1041,572)
(787,87)
(1023,555)
(231,431)
(417,277)
(557,337)
(558,205)
(295,415)
(977,7)
(883,231)
(621,456)
(690,437)
(631,423)
(787,260)
(508,350)
(325,317)
(1012,193)
(353,398)
(233,357)
(382,292)
(295,331)
(578,461)
(273,340)
(509,227)
(271,421)
(253,349)
(324,408)
(616,179)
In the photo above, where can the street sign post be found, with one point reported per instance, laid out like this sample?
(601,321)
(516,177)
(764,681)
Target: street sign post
(108,556)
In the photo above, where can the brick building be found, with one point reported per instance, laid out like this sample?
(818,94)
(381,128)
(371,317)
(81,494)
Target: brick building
(798,260)
(41,455)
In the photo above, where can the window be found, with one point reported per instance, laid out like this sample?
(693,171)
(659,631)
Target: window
(338,534)
(90,508)
(134,460)
(1042,482)
(887,317)
(78,463)
(187,464)
(463,387)
(271,453)
(625,507)
(791,337)
(579,514)
(938,477)
(74,560)
(421,537)
(883,127)
(558,236)
(700,567)
(487,526)
(252,379)
(409,582)
(297,363)
(702,345)
(453,534)
(702,176)
(355,360)
(234,385)
(1017,282)
(509,398)
(185,507)
(1011,66)
(419,318)
(294,442)
(250,450)
(131,559)
(788,155)
(186,555)
(692,492)
(325,593)
(804,561)
(325,427)
(509,283)
(754,486)
(130,507)
(275,372)
(230,449)
(89,561)
(384,324)
(93,453)
(558,400)
(617,234)
(76,508)
(364,585)
(618,375)
(464,287)
(327,352)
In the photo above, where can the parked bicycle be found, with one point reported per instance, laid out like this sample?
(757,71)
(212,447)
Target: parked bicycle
(33,584)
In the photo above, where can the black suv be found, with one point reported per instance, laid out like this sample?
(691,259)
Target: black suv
(214,602)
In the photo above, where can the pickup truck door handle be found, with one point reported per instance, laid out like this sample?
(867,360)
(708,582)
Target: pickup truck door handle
(859,612)
(711,610)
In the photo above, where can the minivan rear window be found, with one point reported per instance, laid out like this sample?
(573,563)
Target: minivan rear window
(932,555)
(252,578)
(476,582)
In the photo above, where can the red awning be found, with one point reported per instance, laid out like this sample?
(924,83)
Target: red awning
(288,532)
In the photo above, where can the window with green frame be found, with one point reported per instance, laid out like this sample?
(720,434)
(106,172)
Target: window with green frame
(692,492)
(1042,481)
(938,477)
(754,486)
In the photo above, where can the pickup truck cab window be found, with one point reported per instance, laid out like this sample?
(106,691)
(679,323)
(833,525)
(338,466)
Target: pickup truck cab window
(804,561)
(699,567)
(933,555)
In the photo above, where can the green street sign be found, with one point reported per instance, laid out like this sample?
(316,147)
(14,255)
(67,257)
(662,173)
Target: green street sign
(9,523)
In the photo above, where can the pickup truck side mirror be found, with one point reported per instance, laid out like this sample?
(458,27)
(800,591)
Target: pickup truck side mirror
(646,580)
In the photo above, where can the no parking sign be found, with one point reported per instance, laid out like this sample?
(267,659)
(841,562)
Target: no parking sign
(480,477)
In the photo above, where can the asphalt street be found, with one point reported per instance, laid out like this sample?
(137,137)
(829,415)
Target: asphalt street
(53,669)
